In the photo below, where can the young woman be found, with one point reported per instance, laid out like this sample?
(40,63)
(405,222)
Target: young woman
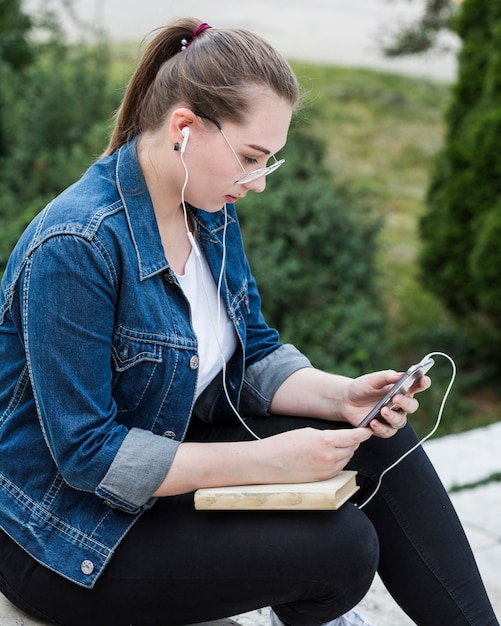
(131,345)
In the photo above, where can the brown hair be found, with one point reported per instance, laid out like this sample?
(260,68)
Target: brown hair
(214,75)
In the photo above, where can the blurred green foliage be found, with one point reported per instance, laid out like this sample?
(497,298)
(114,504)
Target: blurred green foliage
(15,49)
(311,242)
(462,227)
(56,103)
(422,34)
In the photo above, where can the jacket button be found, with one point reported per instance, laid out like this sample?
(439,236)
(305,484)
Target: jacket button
(170,434)
(168,277)
(194,362)
(87,567)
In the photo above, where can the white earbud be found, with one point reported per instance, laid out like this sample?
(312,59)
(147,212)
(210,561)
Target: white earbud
(185,133)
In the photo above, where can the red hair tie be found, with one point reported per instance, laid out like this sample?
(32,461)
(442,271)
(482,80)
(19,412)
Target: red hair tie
(200,29)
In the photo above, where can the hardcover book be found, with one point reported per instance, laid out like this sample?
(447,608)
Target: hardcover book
(322,495)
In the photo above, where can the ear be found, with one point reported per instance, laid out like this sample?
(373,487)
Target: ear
(180,119)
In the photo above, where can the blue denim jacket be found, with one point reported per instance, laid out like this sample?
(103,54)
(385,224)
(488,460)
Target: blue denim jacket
(98,365)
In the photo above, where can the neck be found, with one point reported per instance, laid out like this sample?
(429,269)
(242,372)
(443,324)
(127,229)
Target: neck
(157,168)
(165,193)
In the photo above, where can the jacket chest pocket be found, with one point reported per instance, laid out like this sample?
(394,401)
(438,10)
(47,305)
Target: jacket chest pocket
(134,364)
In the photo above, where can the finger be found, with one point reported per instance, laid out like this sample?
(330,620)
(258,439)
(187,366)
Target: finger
(385,431)
(402,424)
(386,380)
(401,404)
(347,438)
(421,384)
(397,419)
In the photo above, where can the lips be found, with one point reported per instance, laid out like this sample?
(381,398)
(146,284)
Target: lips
(231,199)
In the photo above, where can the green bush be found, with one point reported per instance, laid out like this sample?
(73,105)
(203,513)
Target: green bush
(54,113)
(486,260)
(312,244)
(460,231)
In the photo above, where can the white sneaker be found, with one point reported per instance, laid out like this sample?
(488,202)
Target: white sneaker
(352,618)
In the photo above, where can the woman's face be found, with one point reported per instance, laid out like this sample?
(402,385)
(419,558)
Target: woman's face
(214,167)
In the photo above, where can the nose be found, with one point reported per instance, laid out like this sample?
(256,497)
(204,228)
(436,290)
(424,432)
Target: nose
(258,185)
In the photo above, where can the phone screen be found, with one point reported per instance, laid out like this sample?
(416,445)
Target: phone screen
(402,386)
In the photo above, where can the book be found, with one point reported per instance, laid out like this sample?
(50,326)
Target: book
(324,495)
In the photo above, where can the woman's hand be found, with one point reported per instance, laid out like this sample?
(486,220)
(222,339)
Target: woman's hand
(364,392)
(308,454)
(312,393)
(297,456)
(301,455)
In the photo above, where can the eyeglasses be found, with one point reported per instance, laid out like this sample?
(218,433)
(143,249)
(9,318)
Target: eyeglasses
(248,176)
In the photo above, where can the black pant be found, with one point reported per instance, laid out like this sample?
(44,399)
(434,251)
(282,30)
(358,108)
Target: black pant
(180,566)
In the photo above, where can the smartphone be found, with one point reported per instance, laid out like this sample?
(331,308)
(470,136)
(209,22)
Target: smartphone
(402,386)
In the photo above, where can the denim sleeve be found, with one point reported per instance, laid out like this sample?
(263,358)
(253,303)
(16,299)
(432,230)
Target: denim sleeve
(69,291)
(139,467)
(263,378)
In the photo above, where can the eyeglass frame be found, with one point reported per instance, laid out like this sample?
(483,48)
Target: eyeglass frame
(248,177)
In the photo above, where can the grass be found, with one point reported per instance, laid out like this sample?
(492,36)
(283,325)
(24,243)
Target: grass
(383,131)
(493,478)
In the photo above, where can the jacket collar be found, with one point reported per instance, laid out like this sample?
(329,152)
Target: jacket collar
(141,218)
(138,208)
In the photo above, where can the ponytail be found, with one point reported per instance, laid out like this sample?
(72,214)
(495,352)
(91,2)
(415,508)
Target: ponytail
(213,74)
(161,49)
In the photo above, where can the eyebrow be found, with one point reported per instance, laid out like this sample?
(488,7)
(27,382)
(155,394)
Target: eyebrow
(218,125)
(258,148)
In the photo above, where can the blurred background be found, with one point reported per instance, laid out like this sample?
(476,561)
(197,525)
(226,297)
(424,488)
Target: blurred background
(332,31)
(378,242)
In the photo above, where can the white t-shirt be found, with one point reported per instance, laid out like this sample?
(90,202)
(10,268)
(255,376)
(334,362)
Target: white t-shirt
(214,343)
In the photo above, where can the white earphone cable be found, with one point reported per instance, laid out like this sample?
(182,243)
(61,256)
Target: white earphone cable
(215,327)
(428,436)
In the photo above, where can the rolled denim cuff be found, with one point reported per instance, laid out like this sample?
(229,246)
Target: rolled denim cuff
(137,471)
(262,379)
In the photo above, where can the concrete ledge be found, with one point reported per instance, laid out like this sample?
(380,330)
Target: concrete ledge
(219,622)
(12,616)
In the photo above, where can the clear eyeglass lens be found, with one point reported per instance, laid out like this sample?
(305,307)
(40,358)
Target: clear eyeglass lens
(263,171)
